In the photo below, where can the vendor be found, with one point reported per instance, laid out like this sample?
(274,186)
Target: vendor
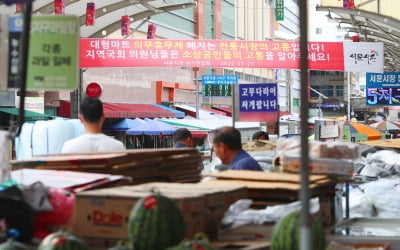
(227,146)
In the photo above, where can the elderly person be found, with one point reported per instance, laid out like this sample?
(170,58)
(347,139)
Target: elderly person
(227,146)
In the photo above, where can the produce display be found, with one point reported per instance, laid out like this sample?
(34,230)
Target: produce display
(286,233)
(155,222)
(62,240)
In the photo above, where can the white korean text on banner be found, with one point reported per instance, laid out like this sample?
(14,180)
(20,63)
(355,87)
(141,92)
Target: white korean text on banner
(363,56)
(100,53)
(383,89)
(258,102)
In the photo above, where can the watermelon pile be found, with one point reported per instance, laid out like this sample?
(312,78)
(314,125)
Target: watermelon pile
(155,222)
(62,240)
(286,233)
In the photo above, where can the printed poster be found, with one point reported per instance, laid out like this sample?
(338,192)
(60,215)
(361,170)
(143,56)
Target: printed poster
(53,53)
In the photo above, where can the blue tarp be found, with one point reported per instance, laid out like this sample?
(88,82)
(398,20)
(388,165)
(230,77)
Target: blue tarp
(123,124)
(178,114)
(152,127)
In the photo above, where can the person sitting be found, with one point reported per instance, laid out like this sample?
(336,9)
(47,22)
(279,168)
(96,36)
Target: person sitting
(227,146)
(260,135)
(93,140)
(182,138)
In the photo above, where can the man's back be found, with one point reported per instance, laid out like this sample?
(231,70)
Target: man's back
(244,161)
(92,143)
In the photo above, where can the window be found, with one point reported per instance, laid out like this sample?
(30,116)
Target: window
(339,90)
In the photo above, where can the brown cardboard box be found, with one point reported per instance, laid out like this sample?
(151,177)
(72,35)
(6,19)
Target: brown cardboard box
(101,215)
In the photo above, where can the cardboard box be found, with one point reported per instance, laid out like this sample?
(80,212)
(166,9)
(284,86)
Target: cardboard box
(101,215)
(344,167)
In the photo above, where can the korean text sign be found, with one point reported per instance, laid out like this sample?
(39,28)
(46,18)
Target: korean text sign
(261,97)
(15,26)
(97,53)
(383,89)
(363,56)
(218,85)
(53,52)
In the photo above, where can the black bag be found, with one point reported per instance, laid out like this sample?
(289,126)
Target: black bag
(16,213)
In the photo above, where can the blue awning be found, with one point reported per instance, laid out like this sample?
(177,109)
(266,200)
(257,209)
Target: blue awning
(178,114)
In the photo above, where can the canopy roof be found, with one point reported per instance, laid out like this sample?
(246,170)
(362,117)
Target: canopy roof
(370,27)
(108,12)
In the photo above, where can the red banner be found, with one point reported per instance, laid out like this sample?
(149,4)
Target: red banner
(97,53)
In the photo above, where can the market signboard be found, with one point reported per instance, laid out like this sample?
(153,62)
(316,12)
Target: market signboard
(53,53)
(258,102)
(383,89)
(218,85)
(279,10)
(363,57)
(15,26)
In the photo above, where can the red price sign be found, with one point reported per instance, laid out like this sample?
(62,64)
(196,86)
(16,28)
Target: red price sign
(94,89)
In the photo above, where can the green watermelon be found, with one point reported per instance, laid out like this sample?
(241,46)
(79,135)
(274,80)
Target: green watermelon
(62,240)
(286,233)
(11,244)
(155,222)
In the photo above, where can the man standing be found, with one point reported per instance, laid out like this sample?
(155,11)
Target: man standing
(227,146)
(92,117)
(182,138)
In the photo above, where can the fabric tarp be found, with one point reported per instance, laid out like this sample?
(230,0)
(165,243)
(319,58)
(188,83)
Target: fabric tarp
(123,124)
(124,110)
(29,115)
(178,114)
(152,127)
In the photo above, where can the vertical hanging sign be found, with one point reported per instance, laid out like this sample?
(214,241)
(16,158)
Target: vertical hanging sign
(125,25)
(53,53)
(90,14)
(279,10)
(59,7)
(151,31)
(15,25)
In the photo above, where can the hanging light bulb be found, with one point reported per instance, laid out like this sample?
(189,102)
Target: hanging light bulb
(59,7)
(90,14)
(125,25)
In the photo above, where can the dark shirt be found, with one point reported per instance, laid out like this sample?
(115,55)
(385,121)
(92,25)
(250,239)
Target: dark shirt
(244,161)
(180,145)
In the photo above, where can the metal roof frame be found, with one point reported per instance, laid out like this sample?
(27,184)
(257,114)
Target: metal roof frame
(371,27)
(108,12)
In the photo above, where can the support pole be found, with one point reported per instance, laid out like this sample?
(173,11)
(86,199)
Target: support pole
(23,67)
(348,96)
(305,223)
(197,94)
